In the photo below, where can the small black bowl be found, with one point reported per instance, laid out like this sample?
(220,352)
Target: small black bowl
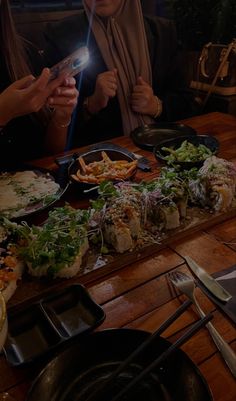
(148,136)
(96,155)
(207,140)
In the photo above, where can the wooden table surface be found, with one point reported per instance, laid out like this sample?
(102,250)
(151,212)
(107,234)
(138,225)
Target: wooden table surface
(139,296)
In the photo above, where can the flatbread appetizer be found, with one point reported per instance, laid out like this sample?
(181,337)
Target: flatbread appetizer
(25,191)
(11,267)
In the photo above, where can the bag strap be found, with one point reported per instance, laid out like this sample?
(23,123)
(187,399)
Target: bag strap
(230,47)
(202,60)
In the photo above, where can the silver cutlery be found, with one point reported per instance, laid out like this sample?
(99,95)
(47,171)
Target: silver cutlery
(186,285)
(210,283)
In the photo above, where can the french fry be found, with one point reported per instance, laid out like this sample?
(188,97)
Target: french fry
(121,166)
(85,178)
(75,177)
(82,163)
(113,176)
(131,169)
(120,162)
(106,157)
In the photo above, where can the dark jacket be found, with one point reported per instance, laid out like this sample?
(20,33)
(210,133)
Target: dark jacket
(67,35)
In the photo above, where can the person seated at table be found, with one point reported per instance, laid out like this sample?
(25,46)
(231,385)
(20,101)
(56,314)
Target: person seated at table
(28,129)
(133,77)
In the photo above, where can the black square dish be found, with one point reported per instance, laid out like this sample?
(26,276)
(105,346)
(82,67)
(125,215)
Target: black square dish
(73,311)
(53,321)
(29,335)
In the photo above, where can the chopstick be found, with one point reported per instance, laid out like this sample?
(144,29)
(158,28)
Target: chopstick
(139,349)
(181,340)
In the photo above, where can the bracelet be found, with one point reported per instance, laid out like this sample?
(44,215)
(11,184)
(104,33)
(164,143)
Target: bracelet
(62,125)
(159,107)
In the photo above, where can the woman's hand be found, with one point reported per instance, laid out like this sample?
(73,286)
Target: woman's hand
(143,100)
(106,87)
(63,100)
(27,95)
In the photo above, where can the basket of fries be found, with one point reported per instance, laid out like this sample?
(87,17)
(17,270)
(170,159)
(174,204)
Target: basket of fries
(96,166)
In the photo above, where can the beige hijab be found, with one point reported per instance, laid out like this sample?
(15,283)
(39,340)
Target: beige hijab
(123,44)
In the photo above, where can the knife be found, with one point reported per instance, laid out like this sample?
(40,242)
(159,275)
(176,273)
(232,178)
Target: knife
(210,283)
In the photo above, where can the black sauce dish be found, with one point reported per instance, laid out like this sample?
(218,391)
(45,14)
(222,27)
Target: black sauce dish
(93,156)
(150,135)
(208,141)
(50,324)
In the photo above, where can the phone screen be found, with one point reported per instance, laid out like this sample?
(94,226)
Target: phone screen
(72,64)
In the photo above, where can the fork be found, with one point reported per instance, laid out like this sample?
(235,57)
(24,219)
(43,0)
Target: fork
(186,284)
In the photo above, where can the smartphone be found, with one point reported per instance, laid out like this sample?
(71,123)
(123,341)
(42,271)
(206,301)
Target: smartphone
(72,64)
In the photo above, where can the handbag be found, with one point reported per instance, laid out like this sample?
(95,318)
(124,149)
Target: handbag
(216,71)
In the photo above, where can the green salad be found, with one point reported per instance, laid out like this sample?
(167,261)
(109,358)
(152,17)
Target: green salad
(187,152)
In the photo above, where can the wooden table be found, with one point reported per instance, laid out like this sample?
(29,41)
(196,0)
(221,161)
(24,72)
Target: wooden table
(138,295)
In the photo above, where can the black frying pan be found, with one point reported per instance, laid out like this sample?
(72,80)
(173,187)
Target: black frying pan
(77,372)
(95,155)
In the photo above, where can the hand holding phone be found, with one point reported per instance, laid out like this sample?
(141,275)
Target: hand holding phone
(72,64)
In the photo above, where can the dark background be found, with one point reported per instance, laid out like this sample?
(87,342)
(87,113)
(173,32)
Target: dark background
(197,21)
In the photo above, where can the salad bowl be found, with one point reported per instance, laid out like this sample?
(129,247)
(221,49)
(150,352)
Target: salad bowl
(186,151)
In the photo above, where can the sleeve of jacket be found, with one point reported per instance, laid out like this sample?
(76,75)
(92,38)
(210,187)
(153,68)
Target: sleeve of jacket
(169,82)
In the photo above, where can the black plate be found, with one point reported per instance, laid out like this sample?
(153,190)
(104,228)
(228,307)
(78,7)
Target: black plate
(148,136)
(77,372)
(207,140)
(43,326)
(95,155)
(60,177)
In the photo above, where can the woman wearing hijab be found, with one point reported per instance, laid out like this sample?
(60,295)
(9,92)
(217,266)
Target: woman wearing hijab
(133,77)
(27,128)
